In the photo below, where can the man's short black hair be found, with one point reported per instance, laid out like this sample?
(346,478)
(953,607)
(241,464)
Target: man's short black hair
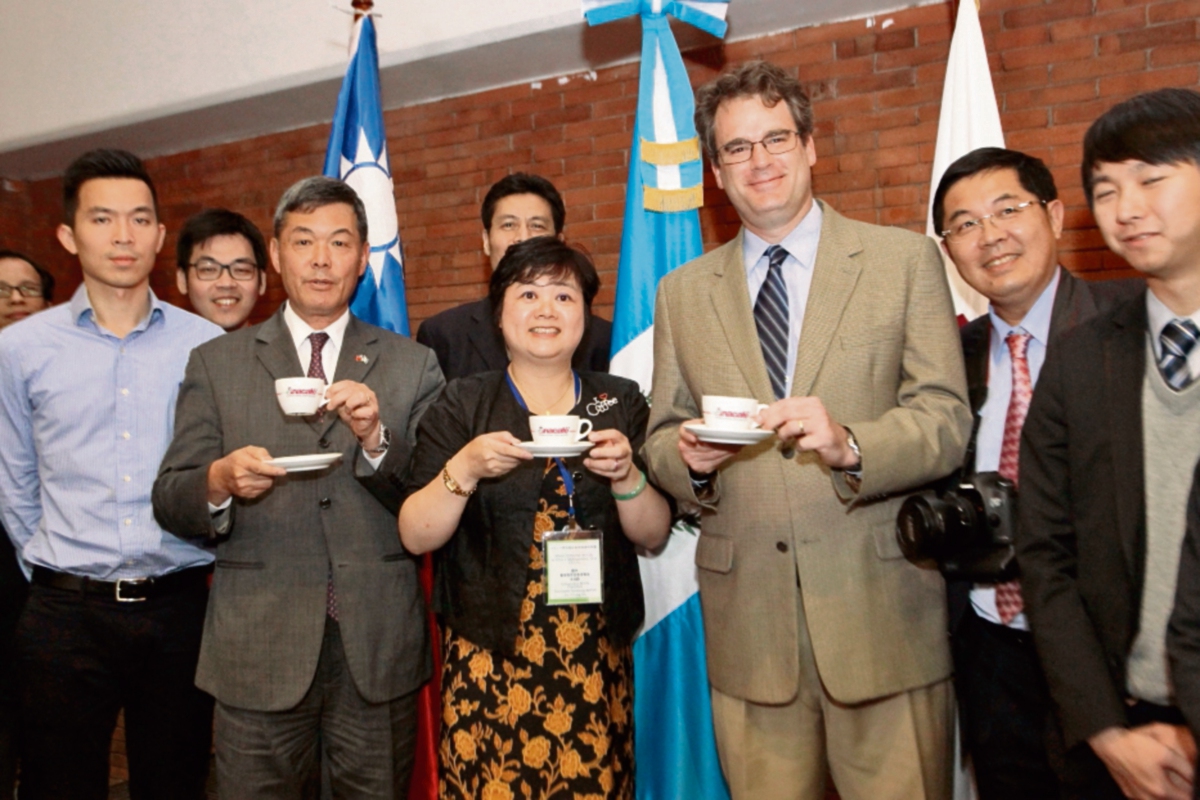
(1035,177)
(213,222)
(1159,127)
(103,163)
(524,183)
(46,278)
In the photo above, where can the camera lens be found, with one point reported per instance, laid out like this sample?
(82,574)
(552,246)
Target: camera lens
(921,525)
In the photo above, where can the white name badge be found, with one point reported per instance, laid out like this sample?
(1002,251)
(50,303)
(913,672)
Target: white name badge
(574,571)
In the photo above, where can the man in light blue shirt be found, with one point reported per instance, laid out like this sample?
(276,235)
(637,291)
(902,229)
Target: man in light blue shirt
(1000,218)
(87,398)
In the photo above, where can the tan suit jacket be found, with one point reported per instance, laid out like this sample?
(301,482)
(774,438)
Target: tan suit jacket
(880,348)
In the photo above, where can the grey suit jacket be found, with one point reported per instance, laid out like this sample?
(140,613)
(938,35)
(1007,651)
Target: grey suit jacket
(266,614)
(880,349)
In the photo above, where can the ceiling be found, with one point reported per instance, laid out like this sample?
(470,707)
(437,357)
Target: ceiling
(212,71)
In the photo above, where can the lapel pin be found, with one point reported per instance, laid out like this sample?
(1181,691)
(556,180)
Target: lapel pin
(361,359)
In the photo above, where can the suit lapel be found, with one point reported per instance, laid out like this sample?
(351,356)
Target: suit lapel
(1125,367)
(358,356)
(1072,304)
(835,275)
(276,351)
(731,299)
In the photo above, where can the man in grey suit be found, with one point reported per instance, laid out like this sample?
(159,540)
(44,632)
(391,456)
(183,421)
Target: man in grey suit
(315,637)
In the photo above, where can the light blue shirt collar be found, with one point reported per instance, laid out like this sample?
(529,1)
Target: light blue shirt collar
(82,311)
(801,243)
(1037,321)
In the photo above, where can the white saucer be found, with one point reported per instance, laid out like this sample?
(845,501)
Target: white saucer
(557,450)
(730,436)
(305,463)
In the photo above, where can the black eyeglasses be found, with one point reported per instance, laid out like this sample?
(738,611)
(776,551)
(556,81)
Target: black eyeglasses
(209,269)
(776,143)
(26,290)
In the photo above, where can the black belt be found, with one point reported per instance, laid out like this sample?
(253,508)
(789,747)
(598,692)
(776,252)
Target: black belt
(1007,632)
(125,590)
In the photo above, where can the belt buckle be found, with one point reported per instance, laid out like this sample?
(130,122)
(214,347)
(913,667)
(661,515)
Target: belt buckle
(131,582)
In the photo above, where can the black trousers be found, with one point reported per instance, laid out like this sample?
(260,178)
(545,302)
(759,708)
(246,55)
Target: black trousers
(83,658)
(13,590)
(1008,721)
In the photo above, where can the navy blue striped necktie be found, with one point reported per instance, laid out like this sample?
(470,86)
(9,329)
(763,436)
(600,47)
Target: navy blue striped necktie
(771,319)
(1177,339)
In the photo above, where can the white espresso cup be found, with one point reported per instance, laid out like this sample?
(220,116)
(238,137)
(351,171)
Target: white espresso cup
(730,413)
(300,397)
(559,429)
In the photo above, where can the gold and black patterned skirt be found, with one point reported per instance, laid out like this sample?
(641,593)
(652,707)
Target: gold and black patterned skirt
(556,721)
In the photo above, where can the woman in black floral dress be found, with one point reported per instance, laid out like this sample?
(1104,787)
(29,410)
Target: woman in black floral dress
(537,698)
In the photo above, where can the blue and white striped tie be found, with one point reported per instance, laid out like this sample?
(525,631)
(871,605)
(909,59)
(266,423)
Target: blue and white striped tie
(1177,338)
(771,319)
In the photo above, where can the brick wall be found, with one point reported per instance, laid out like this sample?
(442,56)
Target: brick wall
(1056,64)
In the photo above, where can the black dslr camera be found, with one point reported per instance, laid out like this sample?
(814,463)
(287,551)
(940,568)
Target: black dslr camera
(967,526)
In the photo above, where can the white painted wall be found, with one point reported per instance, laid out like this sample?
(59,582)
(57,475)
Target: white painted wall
(72,66)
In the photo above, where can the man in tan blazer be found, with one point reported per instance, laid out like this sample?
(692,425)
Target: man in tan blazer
(824,644)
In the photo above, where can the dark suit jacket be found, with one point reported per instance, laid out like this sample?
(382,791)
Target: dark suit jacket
(1075,301)
(1082,534)
(467,341)
(1183,632)
(266,613)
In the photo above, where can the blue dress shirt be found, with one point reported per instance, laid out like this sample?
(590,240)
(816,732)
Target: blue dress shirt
(992,416)
(85,418)
(801,245)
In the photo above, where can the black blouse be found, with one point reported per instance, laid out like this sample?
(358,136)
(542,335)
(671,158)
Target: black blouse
(480,571)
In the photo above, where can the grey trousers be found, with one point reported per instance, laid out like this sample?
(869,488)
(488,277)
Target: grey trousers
(369,747)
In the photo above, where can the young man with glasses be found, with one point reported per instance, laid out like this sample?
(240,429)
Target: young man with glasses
(1107,458)
(1000,220)
(824,644)
(222,260)
(25,288)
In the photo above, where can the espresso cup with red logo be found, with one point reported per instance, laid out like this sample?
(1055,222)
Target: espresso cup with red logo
(730,413)
(559,429)
(300,397)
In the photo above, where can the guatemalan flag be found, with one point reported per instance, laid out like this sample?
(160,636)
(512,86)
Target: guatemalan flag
(357,153)
(676,749)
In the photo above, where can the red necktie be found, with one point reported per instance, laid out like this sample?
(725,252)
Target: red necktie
(1008,595)
(316,369)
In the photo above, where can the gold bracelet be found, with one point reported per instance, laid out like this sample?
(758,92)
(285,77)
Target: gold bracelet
(452,485)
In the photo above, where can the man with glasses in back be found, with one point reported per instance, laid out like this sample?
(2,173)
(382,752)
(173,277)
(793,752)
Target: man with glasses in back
(222,260)
(824,644)
(1000,220)
(25,289)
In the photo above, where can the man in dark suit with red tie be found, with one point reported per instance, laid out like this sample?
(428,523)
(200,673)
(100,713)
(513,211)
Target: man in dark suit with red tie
(1000,220)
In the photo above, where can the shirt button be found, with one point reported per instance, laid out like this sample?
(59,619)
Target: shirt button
(125,435)
(128,521)
(325,503)
(127,479)
(125,392)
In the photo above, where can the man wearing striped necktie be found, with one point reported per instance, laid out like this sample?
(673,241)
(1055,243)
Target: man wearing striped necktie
(1000,220)
(826,648)
(1107,456)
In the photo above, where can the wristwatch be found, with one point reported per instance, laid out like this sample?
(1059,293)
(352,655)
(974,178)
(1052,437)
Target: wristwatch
(385,439)
(853,474)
